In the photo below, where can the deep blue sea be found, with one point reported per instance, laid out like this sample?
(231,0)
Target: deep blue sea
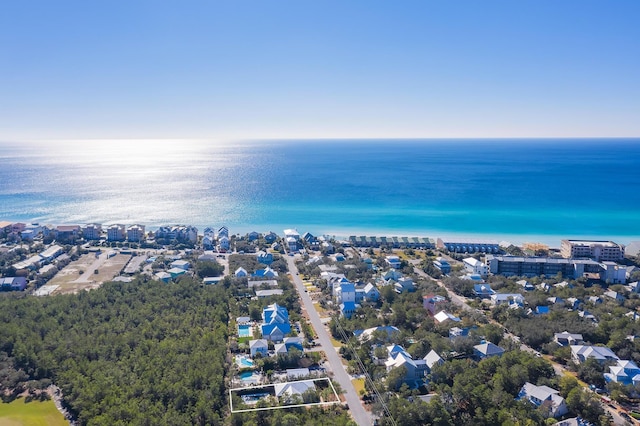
(519,189)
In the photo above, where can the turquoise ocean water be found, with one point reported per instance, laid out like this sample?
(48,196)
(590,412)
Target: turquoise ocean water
(511,189)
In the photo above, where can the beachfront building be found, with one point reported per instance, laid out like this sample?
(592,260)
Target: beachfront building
(92,231)
(181,233)
(115,232)
(67,233)
(596,250)
(394,242)
(135,233)
(468,246)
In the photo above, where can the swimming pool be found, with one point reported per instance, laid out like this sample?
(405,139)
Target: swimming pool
(246,362)
(244,331)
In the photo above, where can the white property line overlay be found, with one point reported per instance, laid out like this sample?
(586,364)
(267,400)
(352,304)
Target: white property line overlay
(286,406)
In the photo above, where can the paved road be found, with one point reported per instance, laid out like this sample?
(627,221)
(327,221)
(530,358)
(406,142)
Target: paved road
(361,416)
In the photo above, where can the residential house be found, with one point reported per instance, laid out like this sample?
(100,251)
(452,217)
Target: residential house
(394,261)
(275,322)
(264,257)
(544,287)
(542,310)
(181,264)
(258,346)
(526,285)
(546,397)
(416,369)
(371,292)
(474,266)
(507,298)
(443,265)
(615,296)
(253,235)
(431,302)
(404,284)
(265,273)
(347,309)
(555,300)
(270,237)
(261,294)
(391,274)
(289,389)
(486,350)
(443,316)
(297,373)
(176,272)
(388,330)
(483,291)
(293,342)
(624,372)
(345,292)
(573,303)
(567,339)
(224,244)
(241,272)
(580,353)
(455,332)
(432,359)
(163,276)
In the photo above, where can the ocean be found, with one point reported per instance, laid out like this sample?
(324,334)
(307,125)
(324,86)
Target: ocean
(518,190)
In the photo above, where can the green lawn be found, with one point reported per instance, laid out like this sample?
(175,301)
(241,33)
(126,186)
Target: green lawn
(34,413)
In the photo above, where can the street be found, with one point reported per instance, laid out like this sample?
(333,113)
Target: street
(361,416)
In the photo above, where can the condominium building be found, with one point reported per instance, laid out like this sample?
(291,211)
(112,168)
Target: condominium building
(135,233)
(599,251)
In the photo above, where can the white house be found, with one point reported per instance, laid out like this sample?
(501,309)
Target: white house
(404,284)
(508,298)
(546,397)
(293,388)
(486,350)
(625,372)
(394,261)
(416,368)
(580,353)
(474,266)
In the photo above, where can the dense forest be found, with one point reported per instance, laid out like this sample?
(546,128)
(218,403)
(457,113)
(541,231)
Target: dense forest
(127,353)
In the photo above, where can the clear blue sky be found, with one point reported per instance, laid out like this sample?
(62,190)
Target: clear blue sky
(276,69)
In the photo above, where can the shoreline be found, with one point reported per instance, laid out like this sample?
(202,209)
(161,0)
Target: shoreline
(343,233)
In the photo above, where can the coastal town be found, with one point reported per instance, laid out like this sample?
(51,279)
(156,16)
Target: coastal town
(395,329)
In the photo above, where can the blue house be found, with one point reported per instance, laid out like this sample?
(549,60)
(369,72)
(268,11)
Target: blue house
(275,323)
(542,310)
(13,283)
(347,309)
(264,257)
(486,350)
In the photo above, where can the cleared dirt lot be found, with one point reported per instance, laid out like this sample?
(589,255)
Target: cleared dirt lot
(71,279)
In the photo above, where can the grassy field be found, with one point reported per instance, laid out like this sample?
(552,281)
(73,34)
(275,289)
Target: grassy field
(34,413)
(358,384)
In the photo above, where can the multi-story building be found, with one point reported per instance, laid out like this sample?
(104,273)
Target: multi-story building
(549,266)
(115,233)
(468,246)
(92,231)
(600,251)
(135,233)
